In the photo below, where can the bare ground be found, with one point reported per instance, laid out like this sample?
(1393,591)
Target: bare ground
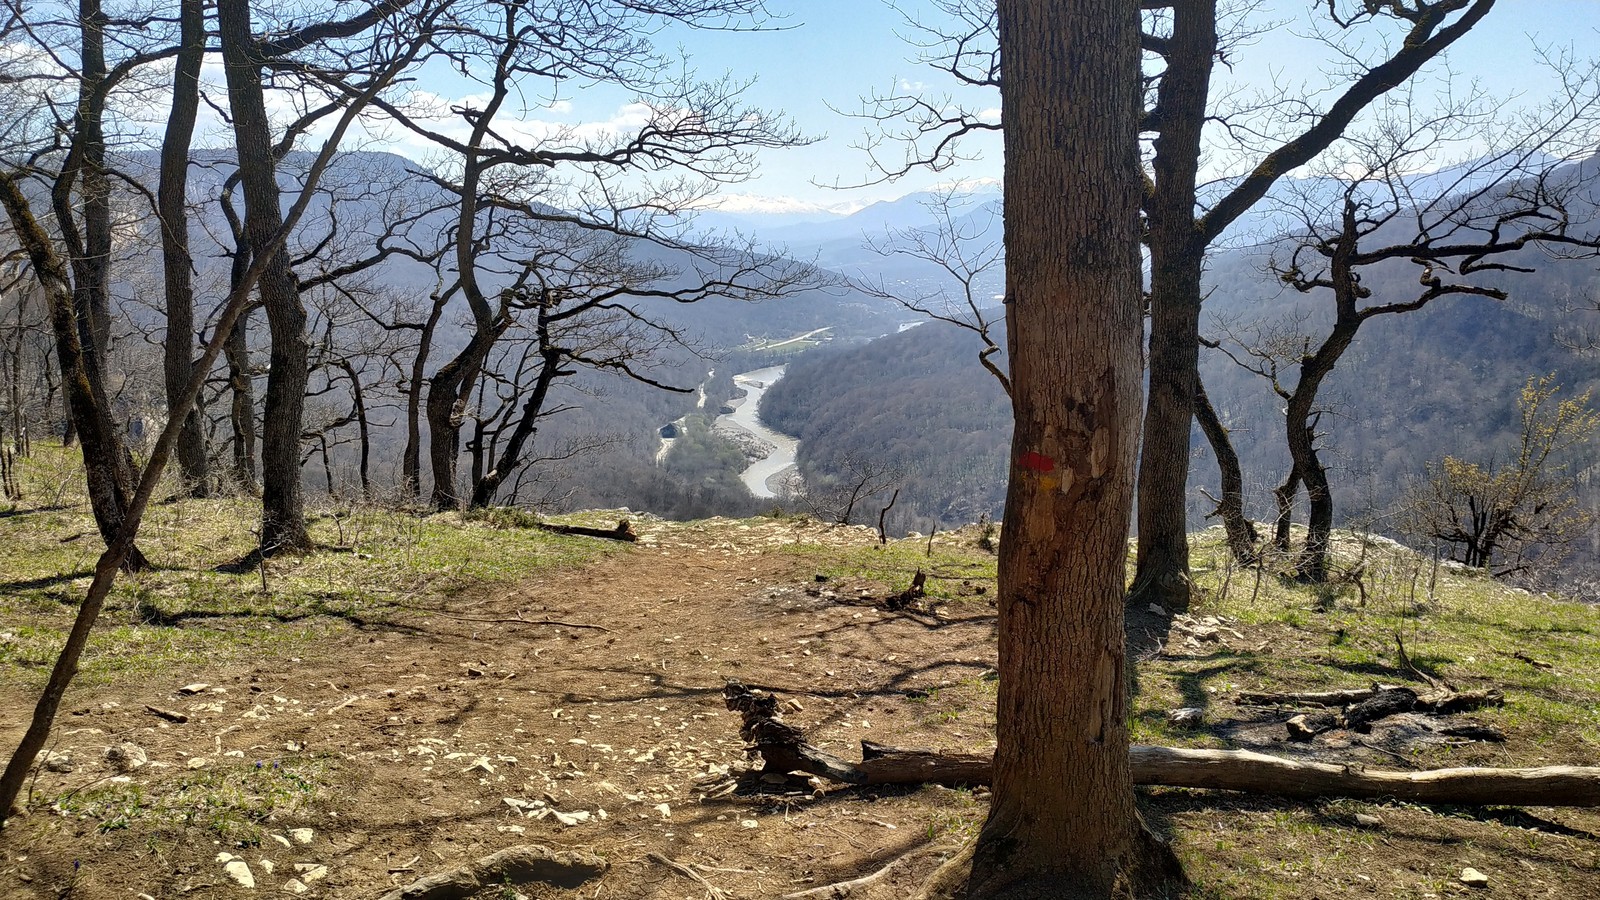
(425,743)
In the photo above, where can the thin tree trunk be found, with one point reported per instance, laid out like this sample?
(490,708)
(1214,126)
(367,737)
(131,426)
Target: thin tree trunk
(104,457)
(510,457)
(1242,536)
(242,405)
(283,525)
(172,198)
(411,456)
(1062,823)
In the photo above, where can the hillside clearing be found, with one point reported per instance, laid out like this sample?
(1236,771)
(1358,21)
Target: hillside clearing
(393,705)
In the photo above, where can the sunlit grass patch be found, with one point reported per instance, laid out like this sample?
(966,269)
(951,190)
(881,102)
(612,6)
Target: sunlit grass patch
(207,598)
(228,801)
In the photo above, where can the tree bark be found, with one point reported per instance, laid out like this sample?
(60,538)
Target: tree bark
(172,198)
(283,526)
(1177,253)
(1063,821)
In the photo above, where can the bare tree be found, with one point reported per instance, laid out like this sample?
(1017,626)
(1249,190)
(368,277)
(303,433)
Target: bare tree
(122,544)
(1261,139)
(511,193)
(1462,236)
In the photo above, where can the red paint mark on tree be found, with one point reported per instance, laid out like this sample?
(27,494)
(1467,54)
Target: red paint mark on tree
(1038,462)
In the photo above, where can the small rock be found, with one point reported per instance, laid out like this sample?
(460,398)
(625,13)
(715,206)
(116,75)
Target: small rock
(1157,609)
(281,839)
(58,762)
(1187,717)
(310,872)
(1368,821)
(794,705)
(665,810)
(573,818)
(198,687)
(198,762)
(267,865)
(749,823)
(301,835)
(239,871)
(295,886)
(1473,878)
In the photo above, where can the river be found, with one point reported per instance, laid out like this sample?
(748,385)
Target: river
(757,476)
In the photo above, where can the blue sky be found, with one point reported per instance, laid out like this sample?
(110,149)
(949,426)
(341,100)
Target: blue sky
(837,50)
(827,54)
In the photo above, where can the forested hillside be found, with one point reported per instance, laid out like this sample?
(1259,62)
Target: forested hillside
(914,412)
(1413,388)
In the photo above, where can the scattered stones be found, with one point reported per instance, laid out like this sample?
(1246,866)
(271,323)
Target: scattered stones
(311,873)
(126,756)
(1473,878)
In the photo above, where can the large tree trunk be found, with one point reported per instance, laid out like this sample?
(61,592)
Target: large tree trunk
(1063,821)
(172,199)
(283,526)
(1177,253)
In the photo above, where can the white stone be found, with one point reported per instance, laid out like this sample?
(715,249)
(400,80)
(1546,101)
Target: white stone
(301,835)
(239,871)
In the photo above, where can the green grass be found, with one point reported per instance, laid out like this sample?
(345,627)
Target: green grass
(199,605)
(954,568)
(228,802)
(1456,625)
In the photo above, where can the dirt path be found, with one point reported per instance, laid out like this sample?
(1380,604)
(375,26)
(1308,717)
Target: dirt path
(449,737)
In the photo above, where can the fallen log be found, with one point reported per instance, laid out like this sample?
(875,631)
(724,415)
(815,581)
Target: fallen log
(1231,770)
(1258,773)
(1441,702)
(623,531)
